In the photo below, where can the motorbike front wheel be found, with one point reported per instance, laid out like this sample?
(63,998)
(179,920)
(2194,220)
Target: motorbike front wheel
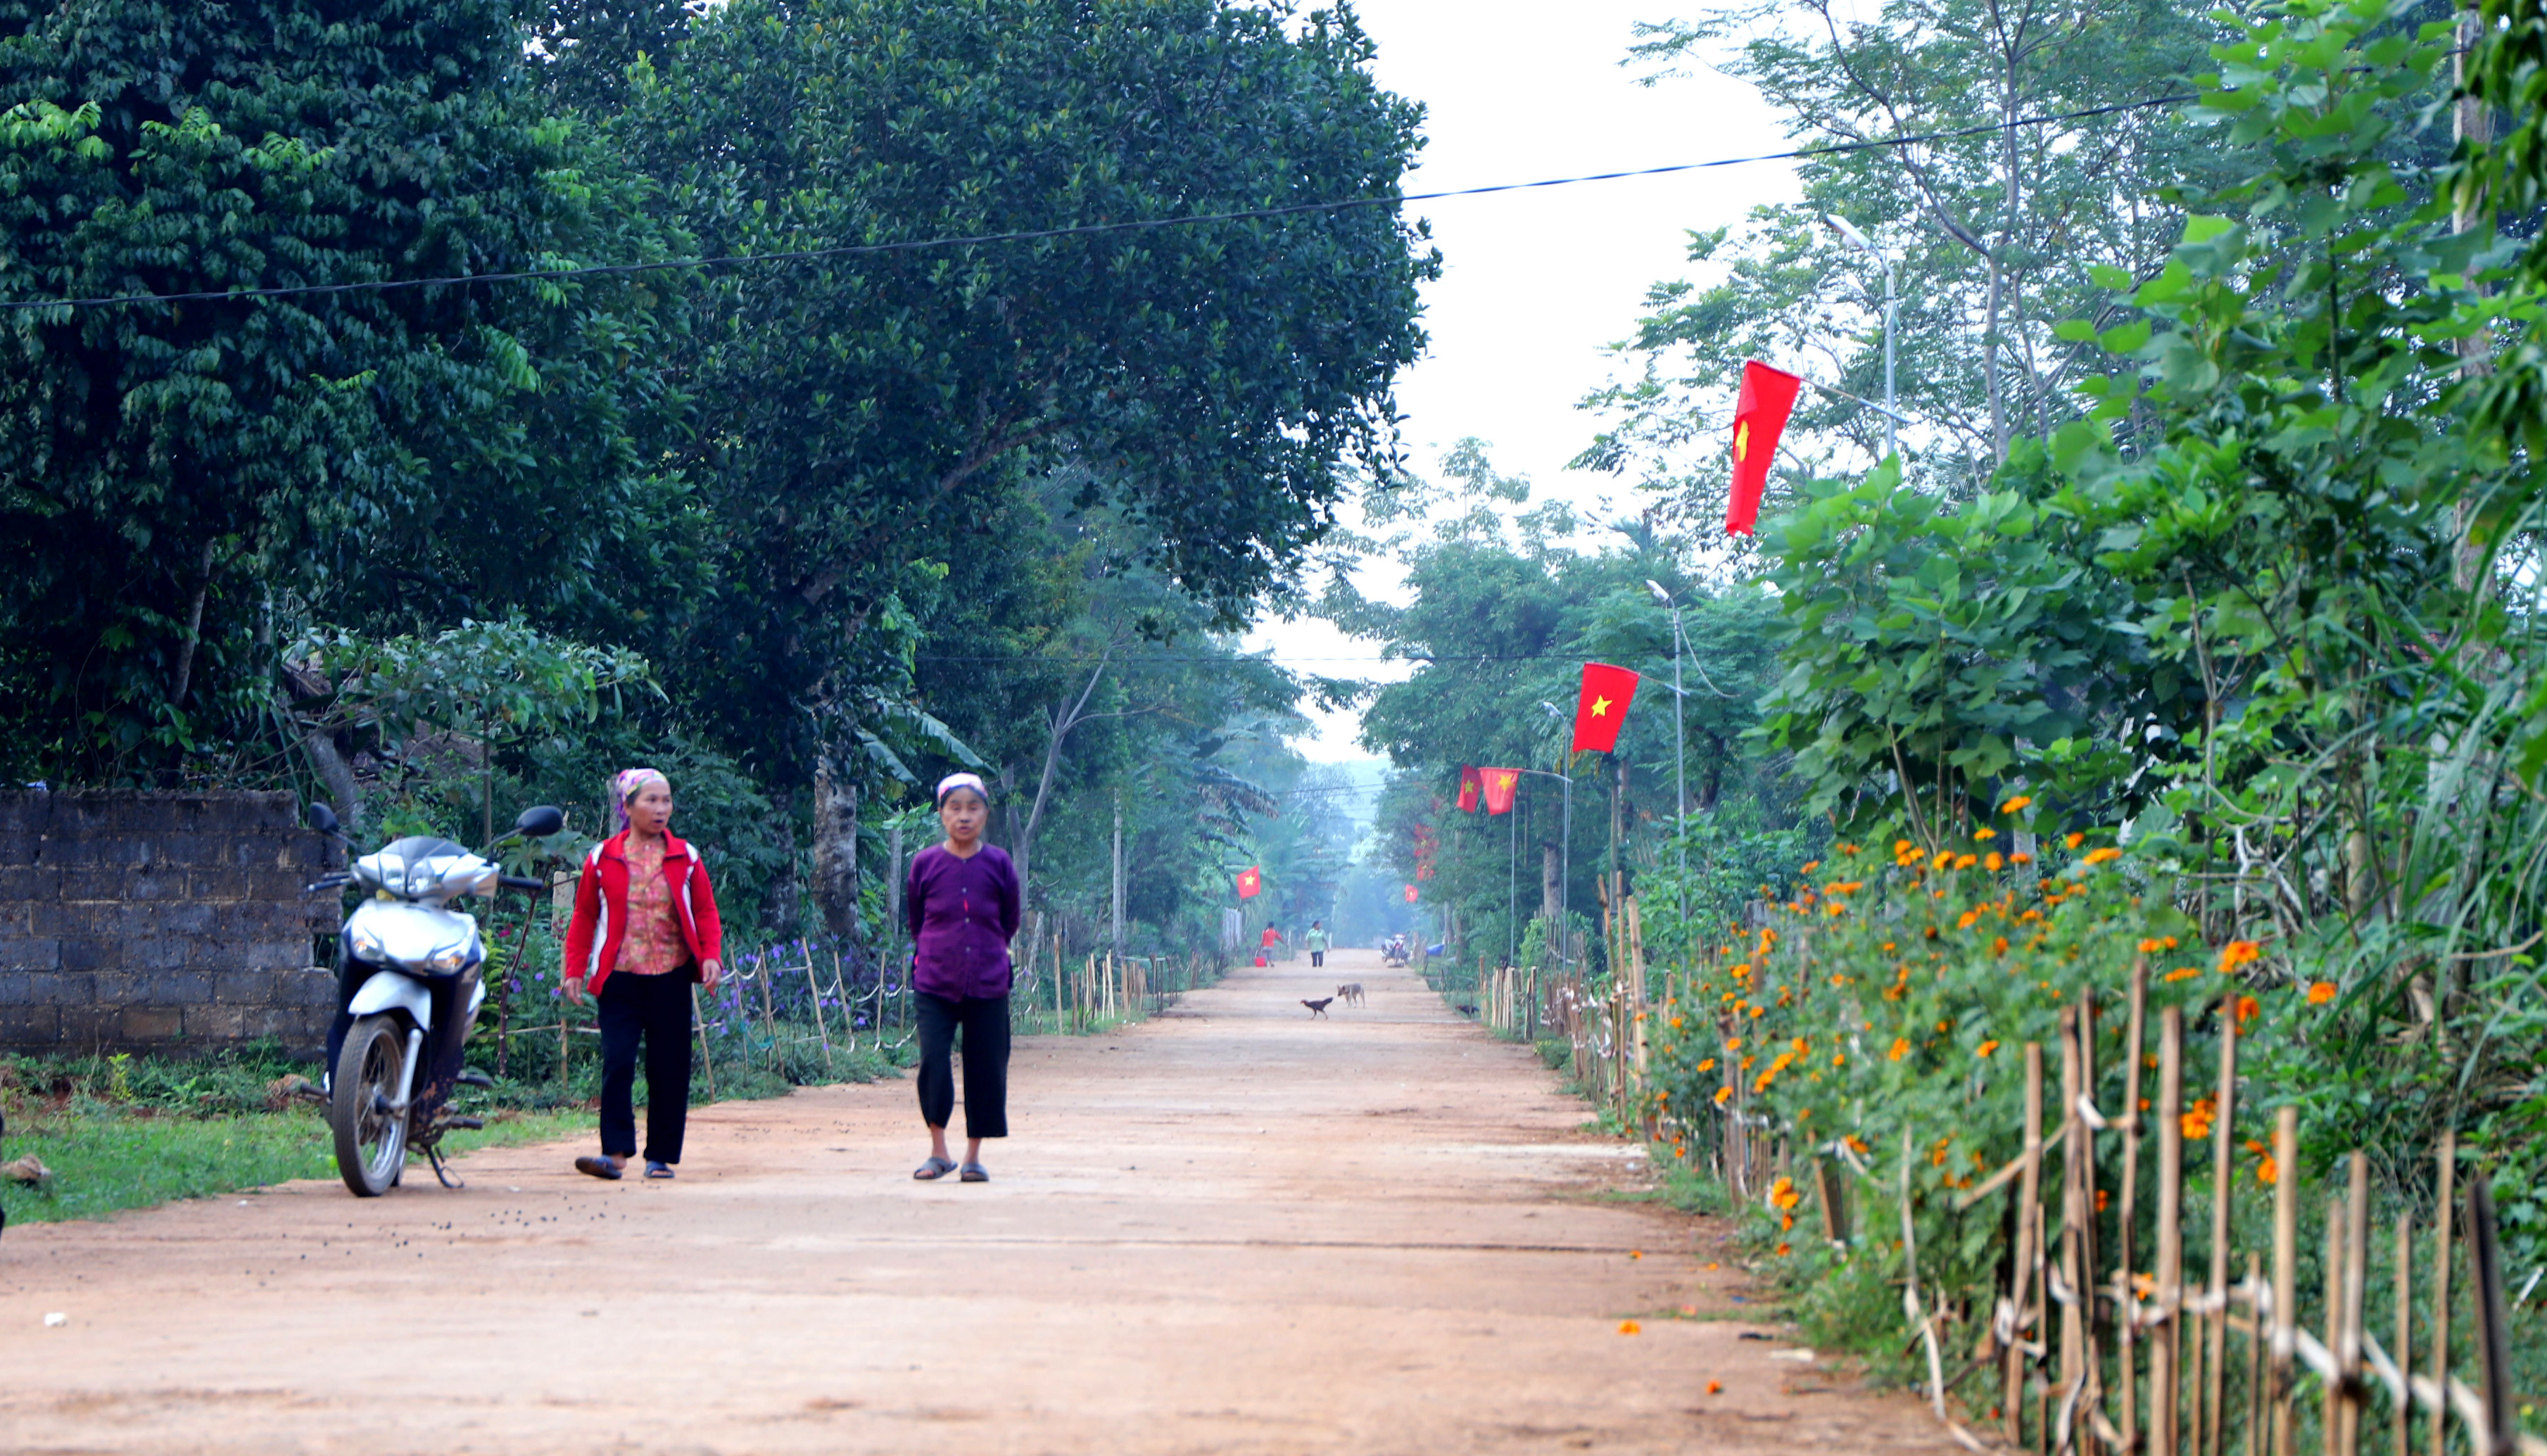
(371,1140)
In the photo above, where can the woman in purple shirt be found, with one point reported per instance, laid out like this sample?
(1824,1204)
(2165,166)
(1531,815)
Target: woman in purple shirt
(961,907)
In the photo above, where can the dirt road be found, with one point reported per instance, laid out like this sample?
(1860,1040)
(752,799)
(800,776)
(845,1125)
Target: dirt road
(1235,1229)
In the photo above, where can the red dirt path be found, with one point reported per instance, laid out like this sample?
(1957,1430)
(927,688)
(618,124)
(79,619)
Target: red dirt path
(1232,1230)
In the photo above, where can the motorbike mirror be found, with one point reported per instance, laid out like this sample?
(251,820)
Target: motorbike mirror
(540,822)
(322,817)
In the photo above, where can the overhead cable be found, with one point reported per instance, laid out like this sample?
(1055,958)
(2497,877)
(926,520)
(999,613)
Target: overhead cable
(1084,229)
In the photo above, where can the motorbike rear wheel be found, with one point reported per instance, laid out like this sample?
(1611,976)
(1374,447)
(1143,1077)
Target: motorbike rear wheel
(370,1141)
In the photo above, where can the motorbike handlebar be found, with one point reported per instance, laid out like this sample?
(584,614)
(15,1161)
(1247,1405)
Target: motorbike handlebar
(334,880)
(521,882)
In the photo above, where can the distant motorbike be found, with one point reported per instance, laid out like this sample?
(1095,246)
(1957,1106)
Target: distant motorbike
(409,987)
(1394,952)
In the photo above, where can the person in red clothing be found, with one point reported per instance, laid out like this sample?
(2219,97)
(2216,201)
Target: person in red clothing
(644,929)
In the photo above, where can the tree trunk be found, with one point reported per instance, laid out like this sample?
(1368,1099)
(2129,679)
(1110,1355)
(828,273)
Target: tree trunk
(185,675)
(2474,124)
(783,916)
(836,848)
(1551,885)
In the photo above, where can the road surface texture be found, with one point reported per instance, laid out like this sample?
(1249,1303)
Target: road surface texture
(1235,1229)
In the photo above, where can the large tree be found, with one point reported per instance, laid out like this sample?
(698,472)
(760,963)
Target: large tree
(865,412)
(189,482)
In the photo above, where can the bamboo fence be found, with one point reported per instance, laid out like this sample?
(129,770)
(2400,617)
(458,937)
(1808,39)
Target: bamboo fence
(2101,1342)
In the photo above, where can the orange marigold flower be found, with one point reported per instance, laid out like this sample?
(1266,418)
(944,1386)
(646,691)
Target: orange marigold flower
(1785,1250)
(1993,863)
(1782,1194)
(2238,953)
(2183,972)
(2020,858)
(1723,1095)
(2103,854)
(1967,861)
(1811,865)
(1856,1143)
(2021,801)
(1986,832)
(2321,993)
(1901,1048)
(2268,1172)
(1706,1066)
(1965,921)
(2150,945)
(1986,1048)
(1631,1326)
(1944,860)
(1998,945)
(2073,839)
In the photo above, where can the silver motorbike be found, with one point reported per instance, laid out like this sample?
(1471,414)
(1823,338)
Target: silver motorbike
(410,984)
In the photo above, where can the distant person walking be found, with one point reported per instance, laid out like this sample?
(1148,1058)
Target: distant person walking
(644,929)
(1271,944)
(1315,943)
(961,906)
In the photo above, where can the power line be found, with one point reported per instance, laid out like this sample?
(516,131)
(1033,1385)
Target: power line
(1087,229)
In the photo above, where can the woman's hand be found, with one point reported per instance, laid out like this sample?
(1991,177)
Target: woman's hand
(710,973)
(574,990)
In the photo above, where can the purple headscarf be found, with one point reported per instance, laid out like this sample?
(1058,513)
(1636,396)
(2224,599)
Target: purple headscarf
(624,786)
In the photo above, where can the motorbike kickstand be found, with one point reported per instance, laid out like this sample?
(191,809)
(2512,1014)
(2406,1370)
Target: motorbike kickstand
(433,1155)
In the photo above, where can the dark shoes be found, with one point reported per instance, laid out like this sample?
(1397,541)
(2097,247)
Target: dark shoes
(935,1168)
(659,1169)
(598,1168)
(973,1173)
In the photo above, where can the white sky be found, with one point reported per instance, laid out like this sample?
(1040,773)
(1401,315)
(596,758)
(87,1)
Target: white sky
(1535,285)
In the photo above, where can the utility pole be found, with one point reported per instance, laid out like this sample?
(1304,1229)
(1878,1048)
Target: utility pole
(1863,244)
(1118,877)
(1680,754)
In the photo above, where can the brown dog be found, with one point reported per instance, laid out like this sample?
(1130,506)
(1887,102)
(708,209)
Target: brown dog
(1350,993)
(1318,1008)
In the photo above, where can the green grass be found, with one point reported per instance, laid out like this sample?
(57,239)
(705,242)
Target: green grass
(106,1159)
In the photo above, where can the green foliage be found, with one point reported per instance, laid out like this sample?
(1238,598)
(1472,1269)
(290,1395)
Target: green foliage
(181,474)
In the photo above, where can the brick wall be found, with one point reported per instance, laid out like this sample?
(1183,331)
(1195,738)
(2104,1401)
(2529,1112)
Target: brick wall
(147,921)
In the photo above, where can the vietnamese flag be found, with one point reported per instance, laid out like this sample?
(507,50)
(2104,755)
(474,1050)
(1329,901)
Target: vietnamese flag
(1759,418)
(1499,788)
(1602,707)
(1468,786)
(1249,881)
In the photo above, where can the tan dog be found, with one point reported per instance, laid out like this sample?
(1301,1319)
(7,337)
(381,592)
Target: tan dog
(1350,993)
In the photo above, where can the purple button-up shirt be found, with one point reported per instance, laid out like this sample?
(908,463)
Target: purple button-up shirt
(962,914)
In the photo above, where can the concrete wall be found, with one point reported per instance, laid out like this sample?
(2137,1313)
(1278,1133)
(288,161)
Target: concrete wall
(169,922)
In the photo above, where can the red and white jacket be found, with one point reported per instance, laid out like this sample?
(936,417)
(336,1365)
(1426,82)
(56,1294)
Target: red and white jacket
(601,920)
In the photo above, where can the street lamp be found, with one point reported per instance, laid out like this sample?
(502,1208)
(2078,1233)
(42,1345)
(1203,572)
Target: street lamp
(1680,753)
(1865,244)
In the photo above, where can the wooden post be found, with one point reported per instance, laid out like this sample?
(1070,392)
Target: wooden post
(2028,1199)
(2356,1280)
(2286,1270)
(2127,1336)
(2330,1424)
(2166,1342)
(2444,1219)
(2402,1416)
(2492,1329)
(2215,1385)
(2076,1210)
(814,993)
(707,1057)
(2255,1368)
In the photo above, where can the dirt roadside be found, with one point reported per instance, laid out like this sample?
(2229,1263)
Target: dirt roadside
(1236,1229)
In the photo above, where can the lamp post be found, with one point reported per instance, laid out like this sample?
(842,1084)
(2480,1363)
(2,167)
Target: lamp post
(1564,844)
(1865,244)
(1680,753)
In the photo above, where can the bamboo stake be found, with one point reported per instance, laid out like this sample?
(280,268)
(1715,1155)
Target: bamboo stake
(2255,1357)
(2444,1220)
(2085,1139)
(707,1057)
(2075,1155)
(2028,1199)
(1911,1303)
(2401,1413)
(2166,1343)
(2330,1424)
(2125,1299)
(2224,1109)
(2357,1279)
(2286,1269)
(2492,1333)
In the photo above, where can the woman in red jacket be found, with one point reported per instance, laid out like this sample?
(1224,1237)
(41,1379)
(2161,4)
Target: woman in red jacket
(644,929)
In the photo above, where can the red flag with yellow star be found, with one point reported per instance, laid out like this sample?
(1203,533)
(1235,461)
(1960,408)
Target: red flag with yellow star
(1759,418)
(1499,784)
(1603,706)
(1469,784)
(1249,881)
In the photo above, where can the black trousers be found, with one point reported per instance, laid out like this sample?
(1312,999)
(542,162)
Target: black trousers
(1317,958)
(984,1023)
(656,1008)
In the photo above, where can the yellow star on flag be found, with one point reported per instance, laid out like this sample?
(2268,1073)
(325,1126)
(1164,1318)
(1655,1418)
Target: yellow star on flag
(1742,441)
(1600,707)
(1510,779)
